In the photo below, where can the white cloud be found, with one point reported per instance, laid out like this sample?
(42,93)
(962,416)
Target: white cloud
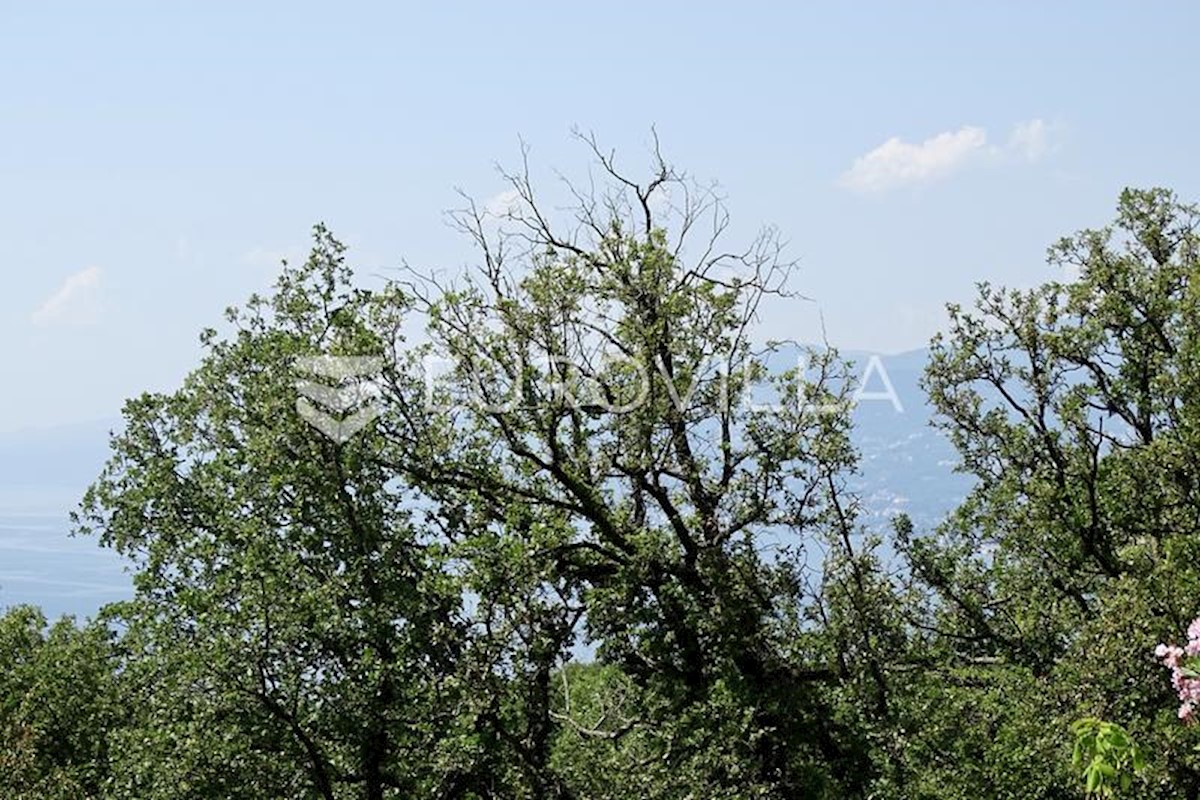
(898,163)
(1030,140)
(76,302)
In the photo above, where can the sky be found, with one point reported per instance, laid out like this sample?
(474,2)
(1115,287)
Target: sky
(158,159)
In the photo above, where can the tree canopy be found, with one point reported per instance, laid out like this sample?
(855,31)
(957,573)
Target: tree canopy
(530,532)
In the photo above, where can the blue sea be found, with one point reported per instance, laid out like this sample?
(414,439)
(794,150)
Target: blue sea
(42,564)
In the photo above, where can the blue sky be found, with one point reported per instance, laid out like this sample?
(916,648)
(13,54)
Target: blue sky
(156,159)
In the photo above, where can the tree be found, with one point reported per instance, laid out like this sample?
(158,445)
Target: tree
(293,633)
(1075,406)
(58,703)
(595,372)
(387,604)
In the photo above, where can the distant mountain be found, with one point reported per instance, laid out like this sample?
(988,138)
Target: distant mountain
(906,464)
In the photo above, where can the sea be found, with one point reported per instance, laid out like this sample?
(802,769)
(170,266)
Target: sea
(43,563)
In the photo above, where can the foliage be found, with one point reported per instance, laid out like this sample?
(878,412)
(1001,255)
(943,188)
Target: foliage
(577,562)
(602,371)
(1109,757)
(1075,406)
(57,705)
(293,631)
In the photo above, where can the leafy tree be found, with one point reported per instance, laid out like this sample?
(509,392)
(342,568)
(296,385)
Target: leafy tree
(57,705)
(571,559)
(293,633)
(1075,406)
(594,372)
(394,613)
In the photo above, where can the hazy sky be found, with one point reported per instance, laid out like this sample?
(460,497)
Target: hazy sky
(156,159)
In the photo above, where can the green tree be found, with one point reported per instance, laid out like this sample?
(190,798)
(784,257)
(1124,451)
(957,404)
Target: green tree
(395,613)
(594,373)
(293,632)
(58,704)
(1075,404)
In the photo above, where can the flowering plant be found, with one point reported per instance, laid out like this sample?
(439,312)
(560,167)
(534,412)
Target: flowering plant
(1184,663)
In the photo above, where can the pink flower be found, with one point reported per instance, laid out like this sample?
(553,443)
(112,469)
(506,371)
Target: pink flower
(1182,662)
(1170,655)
